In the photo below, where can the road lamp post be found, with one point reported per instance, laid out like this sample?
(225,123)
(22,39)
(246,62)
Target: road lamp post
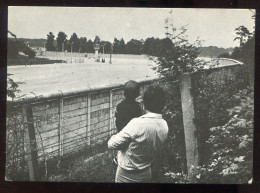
(111,50)
(103,59)
(71,50)
(63,53)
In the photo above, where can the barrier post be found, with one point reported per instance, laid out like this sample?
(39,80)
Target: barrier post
(88,121)
(30,141)
(110,112)
(191,143)
(60,128)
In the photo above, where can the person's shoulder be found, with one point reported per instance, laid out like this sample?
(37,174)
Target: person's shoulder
(137,105)
(135,120)
(165,125)
(127,103)
(121,103)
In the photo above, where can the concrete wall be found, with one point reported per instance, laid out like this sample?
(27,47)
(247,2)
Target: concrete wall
(69,124)
(59,55)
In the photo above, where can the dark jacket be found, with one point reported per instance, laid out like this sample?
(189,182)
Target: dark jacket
(125,111)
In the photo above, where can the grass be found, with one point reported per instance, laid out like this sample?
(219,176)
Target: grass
(98,168)
(94,165)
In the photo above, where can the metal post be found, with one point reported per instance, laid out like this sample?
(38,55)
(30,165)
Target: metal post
(62,51)
(103,52)
(88,121)
(111,50)
(189,127)
(31,147)
(71,50)
(110,112)
(61,151)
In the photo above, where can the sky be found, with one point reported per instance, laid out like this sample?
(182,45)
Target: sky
(214,26)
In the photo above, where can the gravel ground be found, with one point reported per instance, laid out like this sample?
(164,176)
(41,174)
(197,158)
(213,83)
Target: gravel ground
(39,79)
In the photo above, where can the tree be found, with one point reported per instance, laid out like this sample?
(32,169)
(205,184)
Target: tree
(155,47)
(243,34)
(107,47)
(61,40)
(90,46)
(96,40)
(237,53)
(12,87)
(15,46)
(74,41)
(174,55)
(148,46)
(122,46)
(50,41)
(116,47)
(134,47)
(246,51)
(224,55)
(83,45)
(26,50)
(12,49)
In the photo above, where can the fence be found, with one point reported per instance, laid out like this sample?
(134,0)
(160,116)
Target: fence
(61,125)
(50,57)
(19,61)
(55,54)
(40,128)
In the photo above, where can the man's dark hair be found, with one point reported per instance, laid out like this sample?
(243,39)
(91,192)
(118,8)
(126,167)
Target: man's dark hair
(154,99)
(131,90)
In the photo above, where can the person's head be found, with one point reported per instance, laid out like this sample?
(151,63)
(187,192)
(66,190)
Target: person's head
(131,90)
(154,99)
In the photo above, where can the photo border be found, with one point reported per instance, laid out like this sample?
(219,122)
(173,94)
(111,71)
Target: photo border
(111,187)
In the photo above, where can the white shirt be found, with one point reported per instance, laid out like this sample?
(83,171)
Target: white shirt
(140,141)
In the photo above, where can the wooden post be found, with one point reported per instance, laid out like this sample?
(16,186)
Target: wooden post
(61,137)
(110,112)
(88,121)
(31,148)
(189,127)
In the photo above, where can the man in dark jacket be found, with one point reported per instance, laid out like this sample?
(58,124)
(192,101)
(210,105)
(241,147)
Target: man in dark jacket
(128,108)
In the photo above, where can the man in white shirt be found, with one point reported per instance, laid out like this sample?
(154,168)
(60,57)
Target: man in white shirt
(141,140)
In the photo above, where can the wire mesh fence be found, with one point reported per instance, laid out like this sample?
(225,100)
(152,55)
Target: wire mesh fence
(62,126)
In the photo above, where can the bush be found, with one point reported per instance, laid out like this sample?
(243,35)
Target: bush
(176,57)
(231,145)
(12,87)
